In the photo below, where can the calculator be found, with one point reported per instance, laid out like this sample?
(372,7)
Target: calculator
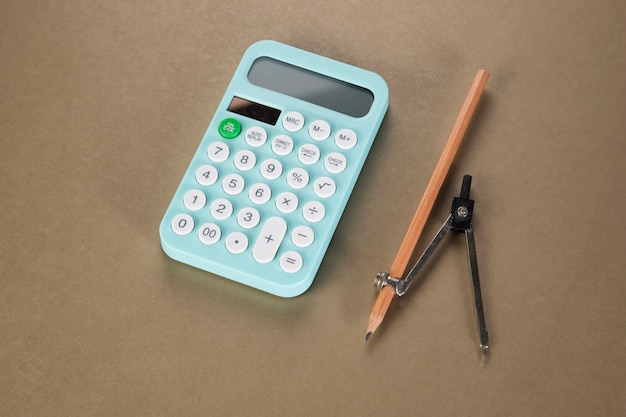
(264,192)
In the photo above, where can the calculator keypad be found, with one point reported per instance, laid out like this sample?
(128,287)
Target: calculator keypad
(264,199)
(277,208)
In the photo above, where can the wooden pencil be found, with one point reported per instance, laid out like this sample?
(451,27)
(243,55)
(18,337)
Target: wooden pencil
(403,257)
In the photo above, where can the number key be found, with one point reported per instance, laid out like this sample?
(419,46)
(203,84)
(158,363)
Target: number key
(221,209)
(233,184)
(245,160)
(271,169)
(260,193)
(182,224)
(218,151)
(248,217)
(209,233)
(194,199)
(206,175)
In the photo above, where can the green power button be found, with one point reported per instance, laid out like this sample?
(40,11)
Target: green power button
(230,128)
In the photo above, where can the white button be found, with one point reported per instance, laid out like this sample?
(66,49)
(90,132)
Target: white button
(313,211)
(324,187)
(221,209)
(248,217)
(233,184)
(319,130)
(271,169)
(345,139)
(309,154)
(293,121)
(245,160)
(291,262)
(236,243)
(182,224)
(218,151)
(335,163)
(287,202)
(298,178)
(194,199)
(302,236)
(209,233)
(260,193)
(256,136)
(206,175)
(282,145)
(269,240)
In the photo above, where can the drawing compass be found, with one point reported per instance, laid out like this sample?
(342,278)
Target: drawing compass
(459,220)
(397,281)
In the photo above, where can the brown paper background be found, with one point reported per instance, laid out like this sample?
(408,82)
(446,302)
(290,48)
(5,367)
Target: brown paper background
(102,105)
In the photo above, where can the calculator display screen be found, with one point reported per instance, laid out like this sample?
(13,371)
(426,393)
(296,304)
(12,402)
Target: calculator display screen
(310,86)
(254,110)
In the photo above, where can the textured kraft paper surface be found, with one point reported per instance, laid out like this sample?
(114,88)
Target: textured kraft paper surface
(102,105)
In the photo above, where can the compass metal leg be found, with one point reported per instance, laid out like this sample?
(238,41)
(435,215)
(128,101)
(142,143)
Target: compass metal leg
(478,299)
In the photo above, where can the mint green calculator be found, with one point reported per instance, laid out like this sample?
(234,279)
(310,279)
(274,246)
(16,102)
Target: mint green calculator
(263,194)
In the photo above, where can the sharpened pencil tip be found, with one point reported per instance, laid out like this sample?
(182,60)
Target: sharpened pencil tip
(368,335)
